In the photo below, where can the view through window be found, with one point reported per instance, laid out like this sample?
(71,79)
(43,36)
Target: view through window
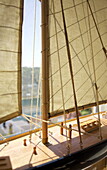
(31,63)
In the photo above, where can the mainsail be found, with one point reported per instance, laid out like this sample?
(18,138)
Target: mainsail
(10,58)
(86,24)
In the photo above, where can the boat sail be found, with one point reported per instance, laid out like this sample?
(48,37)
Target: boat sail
(86,31)
(11,13)
(74,58)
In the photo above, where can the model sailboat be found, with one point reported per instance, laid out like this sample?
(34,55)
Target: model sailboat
(74,58)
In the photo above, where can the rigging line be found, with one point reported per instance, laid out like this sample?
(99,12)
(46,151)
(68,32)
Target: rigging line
(75,22)
(57,21)
(39,94)
(56,124)
(79,59)
(99,23)
(10,94)
(69,26)
(11,28)
(3,148)
(78,90)
(78,100)
(79,108)
(104,49)
(81,84)
(2,136)
(10,71)
(11,51)
(51,85)
(89,44)
(90,39)
(46,121)
(59,62)
(67,128)
(72,47)
(82,3)
(50,73)
(95,84)
(76,54)
(102,89)
(30,120)
(32,90)
(67,8)
(12,6)
(71,95)
(103,86)
(103,33)
(83,44)
(59,65)
(71,70)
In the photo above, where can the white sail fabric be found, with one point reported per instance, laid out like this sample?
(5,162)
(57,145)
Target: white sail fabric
(89,62)
(10,58)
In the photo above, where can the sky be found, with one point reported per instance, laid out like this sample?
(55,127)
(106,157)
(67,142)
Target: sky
(28,34)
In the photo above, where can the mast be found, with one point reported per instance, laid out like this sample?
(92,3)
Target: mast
(44,108)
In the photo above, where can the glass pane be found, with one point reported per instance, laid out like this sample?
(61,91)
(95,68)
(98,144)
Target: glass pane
(31,62)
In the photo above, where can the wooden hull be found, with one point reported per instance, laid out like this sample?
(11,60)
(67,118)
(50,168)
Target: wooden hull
(88,158)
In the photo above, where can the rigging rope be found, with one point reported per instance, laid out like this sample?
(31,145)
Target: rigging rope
(104,49)
(71,70)
(77,54)
(57,124)
(32,90)
(38,96)
(94,71)
(59,62)
(79,59)
(85,48)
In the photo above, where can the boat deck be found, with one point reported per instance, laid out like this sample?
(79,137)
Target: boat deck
(22,157)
